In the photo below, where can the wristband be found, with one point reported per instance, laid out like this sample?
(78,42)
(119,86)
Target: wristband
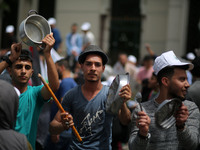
(144,137)
(8,61)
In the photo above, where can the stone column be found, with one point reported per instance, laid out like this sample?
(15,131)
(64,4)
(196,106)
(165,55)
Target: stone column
(177,26)
(24,7)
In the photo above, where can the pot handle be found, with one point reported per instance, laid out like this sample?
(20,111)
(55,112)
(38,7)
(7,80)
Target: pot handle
(42,46)
(31,12)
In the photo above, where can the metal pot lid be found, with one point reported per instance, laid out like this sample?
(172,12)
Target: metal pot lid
(164,115)
(114,101)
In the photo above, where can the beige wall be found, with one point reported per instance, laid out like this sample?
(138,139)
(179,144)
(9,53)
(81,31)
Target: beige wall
(177,26)
(79,11)
(1,22)
(164,25)
(24,7)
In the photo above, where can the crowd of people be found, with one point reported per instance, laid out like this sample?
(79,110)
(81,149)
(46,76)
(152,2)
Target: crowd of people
(30,118)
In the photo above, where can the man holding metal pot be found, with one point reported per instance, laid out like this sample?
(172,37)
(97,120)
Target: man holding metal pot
(87,104)
(31,100)
(180,129)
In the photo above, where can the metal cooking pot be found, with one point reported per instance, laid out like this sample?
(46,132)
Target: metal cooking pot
(33,29)
(114,101)
(164,115)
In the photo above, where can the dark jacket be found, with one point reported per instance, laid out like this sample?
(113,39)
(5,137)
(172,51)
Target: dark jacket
(9,139)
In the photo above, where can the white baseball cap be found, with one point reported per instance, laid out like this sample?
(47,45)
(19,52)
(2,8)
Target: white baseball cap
(168,59)
(52,21)
(85,26)
(132,58)
(190,56)
(10,29)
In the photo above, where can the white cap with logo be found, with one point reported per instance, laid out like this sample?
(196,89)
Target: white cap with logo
(168,59)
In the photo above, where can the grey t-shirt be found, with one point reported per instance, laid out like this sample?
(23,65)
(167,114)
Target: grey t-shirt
(91,120)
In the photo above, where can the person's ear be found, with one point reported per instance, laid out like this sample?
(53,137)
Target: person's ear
(81,66)
(32,72)
(103,68)
(165,81)
(62,67)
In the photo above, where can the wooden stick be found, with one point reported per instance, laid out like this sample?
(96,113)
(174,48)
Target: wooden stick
(59,105)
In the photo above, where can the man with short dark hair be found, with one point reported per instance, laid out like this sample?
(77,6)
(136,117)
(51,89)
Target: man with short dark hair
(19,64)
(73,42)
(119,66)
(87,104)
(184,133)
(154,86)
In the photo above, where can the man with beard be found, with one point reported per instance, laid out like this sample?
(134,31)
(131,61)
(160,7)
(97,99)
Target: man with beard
(184,133)
(87,104)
